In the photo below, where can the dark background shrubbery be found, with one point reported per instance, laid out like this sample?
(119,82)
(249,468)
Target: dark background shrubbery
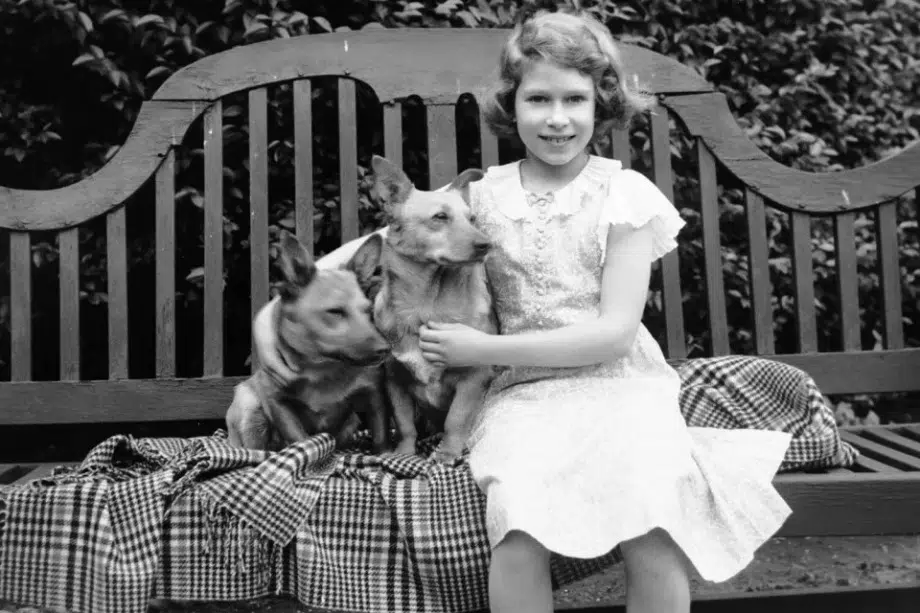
(818,85)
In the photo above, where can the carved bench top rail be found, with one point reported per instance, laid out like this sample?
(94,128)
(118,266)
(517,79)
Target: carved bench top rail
(435,64)
(708,116)
(438,65)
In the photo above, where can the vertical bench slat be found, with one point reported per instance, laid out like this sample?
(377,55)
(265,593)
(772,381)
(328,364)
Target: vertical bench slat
(393,133)
(348,159)
(712,249)
(213,240)
(166,266)
(759,272)
(258,203)
(442,144)
(117,269)
(889,274)
(670,265)
(619,139)
(69,283)
(489,144)
(847,280)
(803,282)
(20,306)
(303,162)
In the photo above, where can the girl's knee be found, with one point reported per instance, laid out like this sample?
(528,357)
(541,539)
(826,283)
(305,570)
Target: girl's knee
(520,547)
(654,549)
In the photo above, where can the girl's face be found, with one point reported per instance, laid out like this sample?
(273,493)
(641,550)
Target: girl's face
(554,112)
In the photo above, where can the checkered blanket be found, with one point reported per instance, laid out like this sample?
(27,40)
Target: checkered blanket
(195,519)
(761,394)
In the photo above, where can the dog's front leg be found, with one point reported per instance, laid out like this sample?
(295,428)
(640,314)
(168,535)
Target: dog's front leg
(468,397)
(403,410)
(247,425)
(378,415)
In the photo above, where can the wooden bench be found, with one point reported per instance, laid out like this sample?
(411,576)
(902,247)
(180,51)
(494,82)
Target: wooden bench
(877,496)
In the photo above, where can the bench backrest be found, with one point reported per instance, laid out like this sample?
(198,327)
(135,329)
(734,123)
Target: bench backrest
(437,67)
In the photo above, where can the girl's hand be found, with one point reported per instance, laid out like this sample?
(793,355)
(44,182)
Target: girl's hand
(265,345)
(451,344)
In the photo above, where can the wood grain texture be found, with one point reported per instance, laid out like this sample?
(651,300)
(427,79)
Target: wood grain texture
(712,250)
(17,473)
(395,63)
(159,124)
(847,280)
(258,202)
(213,241)
(622,151)
(69,288)
(889,274)
(107,401)
(20,306)
(672,298)
(759,273)
(803,282)
(489,143)
(303,162)
(442,144)
(117,289)
(165,318)
(881,452)
(393,133)
(892,438)
(709,117)
(348,159)
(855,372)
(851,504)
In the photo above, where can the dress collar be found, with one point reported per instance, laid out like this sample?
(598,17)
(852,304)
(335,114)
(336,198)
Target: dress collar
(510,198)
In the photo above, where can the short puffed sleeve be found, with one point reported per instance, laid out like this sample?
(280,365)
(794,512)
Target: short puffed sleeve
(633,200)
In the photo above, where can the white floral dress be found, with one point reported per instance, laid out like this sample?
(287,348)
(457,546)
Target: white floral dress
(585,458)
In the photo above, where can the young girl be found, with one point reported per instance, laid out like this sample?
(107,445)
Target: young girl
(581,445)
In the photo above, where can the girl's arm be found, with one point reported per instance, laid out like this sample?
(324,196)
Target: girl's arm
(264,343)
(624,289)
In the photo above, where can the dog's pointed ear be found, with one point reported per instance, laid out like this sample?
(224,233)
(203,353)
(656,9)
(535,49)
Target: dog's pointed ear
(365,263)
(391,184)
(297,266)
(462,182)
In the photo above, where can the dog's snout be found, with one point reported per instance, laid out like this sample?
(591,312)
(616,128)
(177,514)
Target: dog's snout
(482,247)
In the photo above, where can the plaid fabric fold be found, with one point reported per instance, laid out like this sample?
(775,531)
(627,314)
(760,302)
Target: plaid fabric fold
(763,394)
(196,519)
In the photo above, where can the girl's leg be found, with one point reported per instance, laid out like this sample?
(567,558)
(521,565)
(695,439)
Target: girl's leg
(519,579)
(657,578)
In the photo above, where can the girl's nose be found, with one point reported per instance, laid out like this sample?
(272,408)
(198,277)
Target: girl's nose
(557,117)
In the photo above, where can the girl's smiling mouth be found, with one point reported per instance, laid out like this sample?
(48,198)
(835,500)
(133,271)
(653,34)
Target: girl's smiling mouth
(557,140)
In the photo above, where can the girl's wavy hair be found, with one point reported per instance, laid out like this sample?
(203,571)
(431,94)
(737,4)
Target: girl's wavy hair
(571,40)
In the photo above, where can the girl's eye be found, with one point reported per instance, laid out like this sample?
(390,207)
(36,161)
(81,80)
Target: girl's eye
(576,99)
(537,99)
(336,313)
(440,217)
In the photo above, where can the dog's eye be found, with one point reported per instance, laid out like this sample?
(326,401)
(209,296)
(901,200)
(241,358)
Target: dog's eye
(440,216)
(472,219)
